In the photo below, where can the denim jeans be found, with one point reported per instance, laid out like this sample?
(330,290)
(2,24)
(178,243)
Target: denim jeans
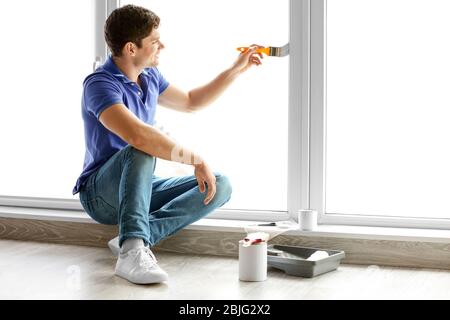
(126,192)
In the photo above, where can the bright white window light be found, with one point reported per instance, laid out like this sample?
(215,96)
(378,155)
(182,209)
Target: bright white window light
(388,108)
(244,133)
(47,50)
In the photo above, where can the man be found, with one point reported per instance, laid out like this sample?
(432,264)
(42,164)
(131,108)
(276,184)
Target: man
(118,185)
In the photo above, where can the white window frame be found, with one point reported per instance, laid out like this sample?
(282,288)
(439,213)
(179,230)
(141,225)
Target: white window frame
(298,125)
(103,8)
(318,141)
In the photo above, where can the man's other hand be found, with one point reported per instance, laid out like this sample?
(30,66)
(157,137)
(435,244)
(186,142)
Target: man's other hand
(204,175)
(248,58)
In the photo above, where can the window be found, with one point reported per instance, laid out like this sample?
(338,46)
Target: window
(44,60)
(251,133)
(244,133)
(386,125)
(353,123)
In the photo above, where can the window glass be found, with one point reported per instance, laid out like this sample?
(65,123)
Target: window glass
(243,134)
(388,108)
(47,50)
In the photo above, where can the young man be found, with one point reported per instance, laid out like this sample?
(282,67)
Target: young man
(118,185)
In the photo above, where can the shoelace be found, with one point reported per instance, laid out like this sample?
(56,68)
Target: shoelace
(149,259)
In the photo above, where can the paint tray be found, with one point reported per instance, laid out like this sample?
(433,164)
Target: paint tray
(296,261)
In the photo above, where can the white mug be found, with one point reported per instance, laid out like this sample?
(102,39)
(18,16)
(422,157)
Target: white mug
(307,220)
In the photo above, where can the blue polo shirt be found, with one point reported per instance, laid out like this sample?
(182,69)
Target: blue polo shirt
(103,88)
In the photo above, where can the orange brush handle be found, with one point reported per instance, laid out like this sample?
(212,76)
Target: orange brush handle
(259,50)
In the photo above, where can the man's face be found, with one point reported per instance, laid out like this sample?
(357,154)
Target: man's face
(148,54)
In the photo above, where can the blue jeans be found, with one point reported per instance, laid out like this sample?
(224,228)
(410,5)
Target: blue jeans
(126,192)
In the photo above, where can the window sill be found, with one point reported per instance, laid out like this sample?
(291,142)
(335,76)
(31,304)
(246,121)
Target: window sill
(335,231)
(221,225)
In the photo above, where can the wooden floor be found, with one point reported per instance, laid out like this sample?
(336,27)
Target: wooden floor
(31,270)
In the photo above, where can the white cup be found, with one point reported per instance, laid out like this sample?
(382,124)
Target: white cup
(253,262)
(307,220)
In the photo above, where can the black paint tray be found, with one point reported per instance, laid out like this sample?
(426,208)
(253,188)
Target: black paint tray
(293,260)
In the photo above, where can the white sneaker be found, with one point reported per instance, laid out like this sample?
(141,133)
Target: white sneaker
(140,266)
(113,244)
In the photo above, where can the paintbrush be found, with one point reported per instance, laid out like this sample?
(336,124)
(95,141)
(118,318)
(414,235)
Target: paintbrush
(270,51)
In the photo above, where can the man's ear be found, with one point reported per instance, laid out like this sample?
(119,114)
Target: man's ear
(130,49)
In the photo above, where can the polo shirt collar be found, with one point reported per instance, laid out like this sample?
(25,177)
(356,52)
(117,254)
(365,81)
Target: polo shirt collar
(112,68)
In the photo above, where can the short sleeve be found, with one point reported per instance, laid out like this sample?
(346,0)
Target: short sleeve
(162,82)
(100,94)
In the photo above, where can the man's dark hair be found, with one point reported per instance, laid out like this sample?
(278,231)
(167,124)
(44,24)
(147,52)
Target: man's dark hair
(129,24)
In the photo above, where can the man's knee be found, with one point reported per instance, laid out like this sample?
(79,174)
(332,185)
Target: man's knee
(139,156)
(223,187)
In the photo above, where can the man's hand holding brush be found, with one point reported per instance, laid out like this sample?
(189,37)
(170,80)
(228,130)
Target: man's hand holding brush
(248,57)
